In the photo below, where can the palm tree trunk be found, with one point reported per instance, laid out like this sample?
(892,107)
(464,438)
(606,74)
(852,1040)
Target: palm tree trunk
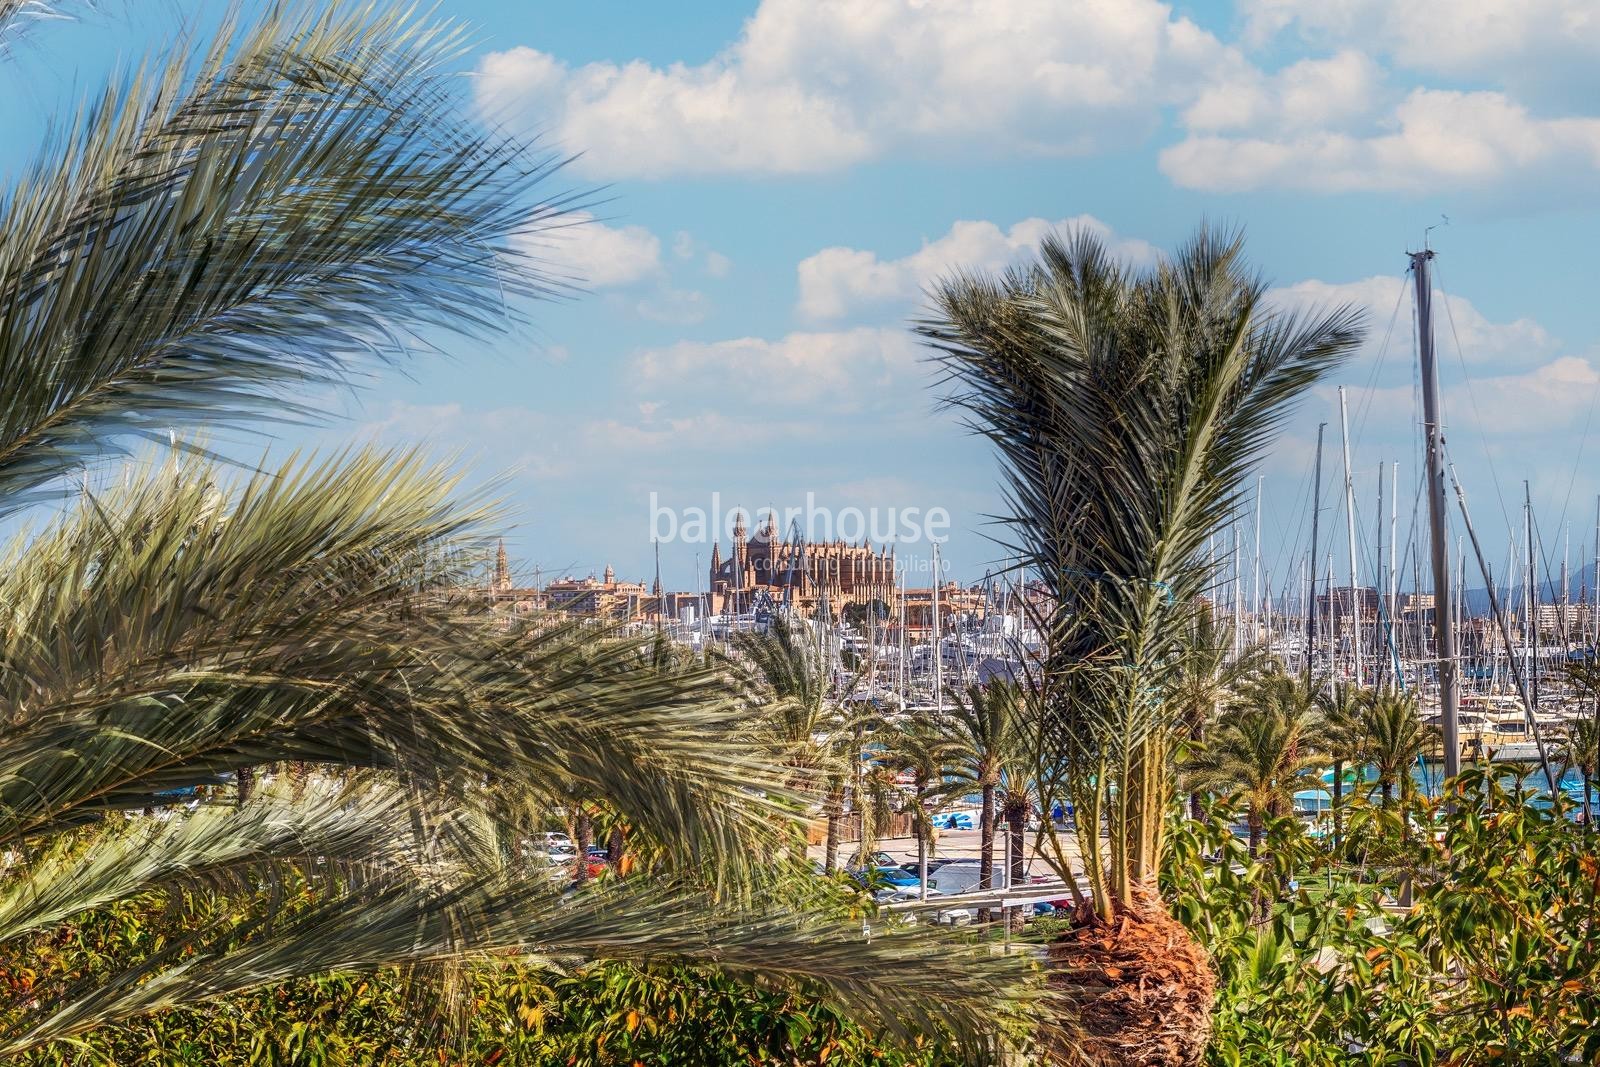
(922,855)
(1253,820)
(1338,800)
(1588,808)
(245,779)
(617,842)
(583,832)
(1386,792)
(1016,818)
(986,845)
(830,848)
(1197,810)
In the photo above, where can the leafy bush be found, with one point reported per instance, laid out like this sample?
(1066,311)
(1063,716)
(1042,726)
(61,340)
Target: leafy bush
(1495,961)
(608,1013)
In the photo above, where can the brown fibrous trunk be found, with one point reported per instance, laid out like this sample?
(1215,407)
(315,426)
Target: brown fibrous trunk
(1139,990)
(583,825)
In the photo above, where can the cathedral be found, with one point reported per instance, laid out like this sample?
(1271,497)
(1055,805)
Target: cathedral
(835,571)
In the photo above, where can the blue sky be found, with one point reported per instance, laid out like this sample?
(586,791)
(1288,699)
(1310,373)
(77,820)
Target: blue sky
(782,179)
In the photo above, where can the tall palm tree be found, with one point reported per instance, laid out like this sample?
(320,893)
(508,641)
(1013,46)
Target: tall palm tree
(1396,738)
(291,207)
(922,749)
(1343,735)
(801,720)
(983,726)
(1207,674)
(1127,406)
(1263,748)
(1582,750)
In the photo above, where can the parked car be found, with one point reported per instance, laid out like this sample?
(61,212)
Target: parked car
(562,850)
(951,877)
(875,859)
(952,820)
(878,878)
(901,894)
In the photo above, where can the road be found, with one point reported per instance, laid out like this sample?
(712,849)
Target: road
(955,844)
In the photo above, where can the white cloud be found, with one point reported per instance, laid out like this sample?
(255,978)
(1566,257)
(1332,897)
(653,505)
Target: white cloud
(1387,301)
(1554,396)
(1504,41)
(1313,93)
(814,85)
(1432,138)
(718,265)
(598,255)
(676,307)
(837,281)
(847,370)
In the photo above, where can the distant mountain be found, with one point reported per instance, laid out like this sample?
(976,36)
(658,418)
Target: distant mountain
(1580,584)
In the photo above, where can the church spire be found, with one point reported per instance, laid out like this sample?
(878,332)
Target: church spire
(502,568)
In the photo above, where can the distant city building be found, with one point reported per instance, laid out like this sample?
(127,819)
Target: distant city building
(804,573)
(1336,604)
(505,597)
(602,598)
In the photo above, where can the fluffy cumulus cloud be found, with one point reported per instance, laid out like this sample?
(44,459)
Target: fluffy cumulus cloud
(847,370)
(838,281)
(1316,93)
(812,85)
(1432,138)
(600,256)
(1513,42)
(1386,301)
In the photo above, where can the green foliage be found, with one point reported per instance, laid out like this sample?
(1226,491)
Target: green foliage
(1127,406)
(608,1013)
(1495,961)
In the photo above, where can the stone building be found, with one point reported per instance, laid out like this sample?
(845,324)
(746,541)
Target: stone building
(602,598)
(840,572)
(504,596)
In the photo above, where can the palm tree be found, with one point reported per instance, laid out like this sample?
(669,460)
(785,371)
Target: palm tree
(294,205)
(1396,738)
(800,721)
(1582,750)
(922,749)
(1208,673)
(1127,407)
(1343,735)
(983,726)
(1015,802)
(1262,748)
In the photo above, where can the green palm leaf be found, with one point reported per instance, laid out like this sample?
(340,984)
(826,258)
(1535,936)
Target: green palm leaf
(304,203)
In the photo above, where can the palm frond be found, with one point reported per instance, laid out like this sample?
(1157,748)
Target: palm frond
(305,201)
(223,848)
(906,979)
(1127,409)
(170,631)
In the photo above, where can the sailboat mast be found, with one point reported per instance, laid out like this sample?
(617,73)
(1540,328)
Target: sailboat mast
(938,637)
(1394,555)
(1238,606)
(1566,550)
(1311,604)
(1379,640)
(1438,521)
(1533,595)
(1350,533)
(1255,590)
